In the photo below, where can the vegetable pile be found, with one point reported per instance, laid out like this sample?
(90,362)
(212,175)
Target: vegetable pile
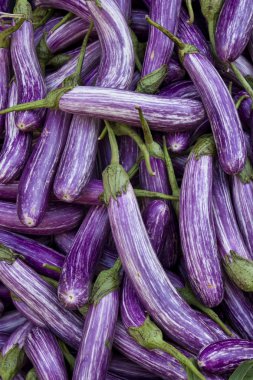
(126,189)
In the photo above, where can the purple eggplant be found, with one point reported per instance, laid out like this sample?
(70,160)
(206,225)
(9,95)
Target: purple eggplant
(78,8)
(233,29)
(45,354)
(178,142)
(121,366)
(171,249)
(64,241)
(27,312)
(79,266)
(10,321)
(4,81)
(197,228)
(4,293)
(242,64)
(129,152)
(39,32)
(244,106)
(30,82)
(250,46)
(175,71)
(3,339)
(180,89)
(126,8)
(224,356)
(9,191)
(138,23)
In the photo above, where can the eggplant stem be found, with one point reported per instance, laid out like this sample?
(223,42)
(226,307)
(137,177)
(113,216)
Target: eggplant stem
(190,11)
(12,15)
(134,169)
(153,194)
(66,18)
(242,80)
(230,86)
(240,100)
(102,134)
(211,31)
(82,53)
(145,127)
(113,144)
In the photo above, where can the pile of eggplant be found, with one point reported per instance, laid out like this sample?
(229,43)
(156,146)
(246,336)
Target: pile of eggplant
(126,189)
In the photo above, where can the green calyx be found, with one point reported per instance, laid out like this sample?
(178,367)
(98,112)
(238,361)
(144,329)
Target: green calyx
(149,336)
(246,175)
(58,60)
(50,281)
(211,8)
(5,34)
(240,270)
(115,181)
(23,7)
(69,16)
(107,281)
(31,375)
(7,254)
(11,363)
(151,82)
(43,52)
(84,309)
(204,146)
(40,16)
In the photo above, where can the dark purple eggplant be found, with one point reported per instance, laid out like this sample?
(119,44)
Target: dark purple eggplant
(250,46)
(3,339)
(180,89)
(64,241)
(121,366)
(4,81)
(9,191)
(175,71)
(138,23)
(45,354)
(128,152)
(10,321)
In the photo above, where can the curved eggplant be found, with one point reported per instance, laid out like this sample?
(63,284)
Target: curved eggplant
(78,8)
(4,81)
(27,312)
(121,366)
(10,321)
(38,33)
(180,89)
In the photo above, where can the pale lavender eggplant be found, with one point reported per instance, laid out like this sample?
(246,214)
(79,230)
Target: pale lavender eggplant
(154,289)
(224,356)
(93,359)
(3,339)
(57,219)
(38,175)
(41,298)
(78,8)
(38,33)
(10,321)
(121,366)
(197,230)
(16,146)
(79,266)
(180,89)
(43,350)
(233,30)
(27,312)
(18,337)
(30,82)
(4,82)
(175,71)
(178,142)
(159,48)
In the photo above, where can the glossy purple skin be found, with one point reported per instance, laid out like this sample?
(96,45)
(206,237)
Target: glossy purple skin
(171,250)
(224,356)
(30,82)
(141,264)
(121,366)
(4,82)
(38,33)
(16,146)
(79,266)
(38,175)
(221,111)
(57,219)
(9,191)
(18,337)
(10,321)
(27,248)
(181,89)
(126,8)
(41,297)
(93,360)
(197,231)
(159,48)
(245,109)
(27,312)
(175,71)
(228,235)
(191,34)
(178,142)
(78,8)
(64,241)
(43,350)
(233,29)
(3,339)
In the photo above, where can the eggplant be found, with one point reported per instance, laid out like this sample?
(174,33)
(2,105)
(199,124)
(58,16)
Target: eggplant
(197,229)
(175,71)
(79,266)
(250,46)
(39,32)
(233,29)
(224,356)
(4,293)
(180,89)
(244,106)
(9,191)
(178,142)
(121,366)
(45,354)
(171,249)
(139,24)
(10,321)
(30,82)
(242,64)
(4,81)
(129,152)
(57,219)
(78,8)
(27,312)
(3,339)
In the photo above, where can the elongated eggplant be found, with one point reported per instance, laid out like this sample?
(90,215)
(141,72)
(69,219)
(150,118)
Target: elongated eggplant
(3,339)
(128,152)
(45,354)
(38,33)
(79,267)
(10,321)
(57,219)
(9,191)
(121,366)
(30,82)
(175,71)
(197,229)
(16,147)
(225,356)
(78,8)
(126,8)
(4,81)
(233,29)
(180,89)
(27,312)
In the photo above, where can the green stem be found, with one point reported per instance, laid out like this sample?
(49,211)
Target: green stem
(145,127)
(113,144)
(240,100)
(66,18)
(40,16)
(134,169)
(102,134)
(242,80)
(4,35)
(135,46)
(70,359)
(52,267)
(153,194)
(82,54)
(211,31)
(50,281)
(230,87)
(190,11)
(180,44)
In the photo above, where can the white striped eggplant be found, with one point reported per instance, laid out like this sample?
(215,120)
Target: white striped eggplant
(79,266)
(121,366)
(5,76)
(12,354)
(197,229)
(180,89)
(93,359)
(45,354)
(30,82)
(16,147)
(224,356)
(39,32)
(10,321)
(218,103)
(64,241)
(37,177)
(176,71)
(27,312)
(41,298)
(233,29)
(78,8)
(234,253)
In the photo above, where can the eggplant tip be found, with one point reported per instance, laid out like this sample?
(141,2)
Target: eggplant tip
(28,221)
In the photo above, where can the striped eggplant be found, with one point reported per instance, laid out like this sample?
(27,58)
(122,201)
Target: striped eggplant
(79,266)
(218,103)
(233,29)
(45,354)
(41,298)
(139,24)
(171,249)
(244,106)
(16,147)
(180,89)
(27,312)
(5,76)
(232,248)
(250,46)
(93,359)
(9,191)
(242,64)
(12,354)
(37,177)
(30,82)
(78,8)
(224,356)
(178,142)
(125,7)
(129,152)
(10,321)
(57,219)
(175,71)
(197,229)
(121,366)
(3,339)
(39,32)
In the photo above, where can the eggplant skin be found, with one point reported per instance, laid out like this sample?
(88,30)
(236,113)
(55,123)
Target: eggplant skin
(224,356)
(233,29)
(4,82)
(79,8)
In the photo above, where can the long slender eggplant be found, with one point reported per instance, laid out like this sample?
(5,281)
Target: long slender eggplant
(197,230)
(180,89)
(3,339)
(122,366)
(27,312)
(16,147)
(175,71)
(79,267)
(224,356)
(45,354)
(4,79)
(233,29)
(78,8)
(39,32)
(10,321)
(30,82)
